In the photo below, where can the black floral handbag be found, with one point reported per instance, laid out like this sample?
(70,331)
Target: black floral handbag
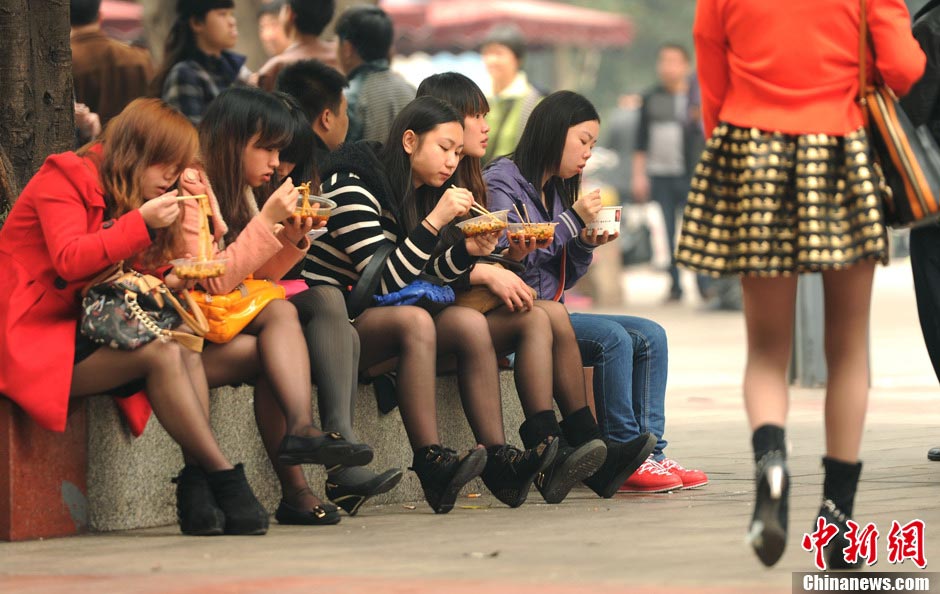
(126,310)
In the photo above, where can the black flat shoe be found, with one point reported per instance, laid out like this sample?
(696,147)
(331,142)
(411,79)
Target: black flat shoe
(351,497)
(324,514)
(329,449)
(768,532)
(623,459)
(834,552)
(933,454)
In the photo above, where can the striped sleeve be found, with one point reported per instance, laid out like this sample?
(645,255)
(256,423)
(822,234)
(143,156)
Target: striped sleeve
(358,226)
(453,263)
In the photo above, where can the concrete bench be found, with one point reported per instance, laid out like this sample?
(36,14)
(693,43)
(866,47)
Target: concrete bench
(129,478)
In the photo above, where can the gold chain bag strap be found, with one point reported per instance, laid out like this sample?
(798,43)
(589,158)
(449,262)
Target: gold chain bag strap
(909,157)
(126,310)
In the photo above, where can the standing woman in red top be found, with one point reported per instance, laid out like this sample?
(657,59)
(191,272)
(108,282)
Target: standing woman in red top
(786,186)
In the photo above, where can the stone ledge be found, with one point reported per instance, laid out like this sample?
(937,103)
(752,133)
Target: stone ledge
(129,479)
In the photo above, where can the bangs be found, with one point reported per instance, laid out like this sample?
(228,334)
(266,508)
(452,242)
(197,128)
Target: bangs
(149,132)
(275,130)
(469,103)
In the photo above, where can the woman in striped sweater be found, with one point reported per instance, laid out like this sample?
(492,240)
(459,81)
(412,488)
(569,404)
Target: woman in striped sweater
(392,194)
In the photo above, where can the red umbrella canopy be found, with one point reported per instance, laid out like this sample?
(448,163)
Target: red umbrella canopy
(438,24)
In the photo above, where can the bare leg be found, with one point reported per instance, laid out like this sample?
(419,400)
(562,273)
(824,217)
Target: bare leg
(407,333)
(463,339)
(769,306)
(848,304)
(169,388)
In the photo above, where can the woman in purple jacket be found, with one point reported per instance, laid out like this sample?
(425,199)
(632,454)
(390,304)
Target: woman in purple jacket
(629,354)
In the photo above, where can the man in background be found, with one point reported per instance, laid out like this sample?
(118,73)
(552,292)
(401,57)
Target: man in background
(319,91)
(669,133)
(376,94)
(304,21)
(108,74)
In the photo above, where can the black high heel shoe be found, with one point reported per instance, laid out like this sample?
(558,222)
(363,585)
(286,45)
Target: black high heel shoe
(329,449)
(768,532)
(834,551)
(351,497)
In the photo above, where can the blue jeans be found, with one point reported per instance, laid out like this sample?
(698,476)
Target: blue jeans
(630,358)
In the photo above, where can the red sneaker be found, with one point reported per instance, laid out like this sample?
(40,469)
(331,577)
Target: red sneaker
(651,478)
(691,479)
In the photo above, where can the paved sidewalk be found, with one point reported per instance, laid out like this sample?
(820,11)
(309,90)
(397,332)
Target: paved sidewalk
(688,541)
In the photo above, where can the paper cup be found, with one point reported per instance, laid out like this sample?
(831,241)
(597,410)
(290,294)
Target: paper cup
(608,219)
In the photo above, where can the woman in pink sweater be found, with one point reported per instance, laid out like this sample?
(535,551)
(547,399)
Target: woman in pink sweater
(241,135)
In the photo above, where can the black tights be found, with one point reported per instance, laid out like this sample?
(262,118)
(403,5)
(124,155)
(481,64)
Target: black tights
(567,370)
(416,340)
(271,353)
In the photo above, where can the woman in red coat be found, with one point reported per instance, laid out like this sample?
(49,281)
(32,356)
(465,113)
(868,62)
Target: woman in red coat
(786,186)
(80,214)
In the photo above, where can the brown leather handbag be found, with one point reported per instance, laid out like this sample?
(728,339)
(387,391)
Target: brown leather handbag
(909,157)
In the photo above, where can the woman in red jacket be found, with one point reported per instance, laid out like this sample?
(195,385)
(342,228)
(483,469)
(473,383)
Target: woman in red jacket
(786,186)
(80,214)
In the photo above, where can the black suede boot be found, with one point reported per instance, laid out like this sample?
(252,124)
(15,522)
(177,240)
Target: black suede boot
(571,465)
(510,471)
(622,458)
(443,473)
(243,513)
(768,531)
(198,513)
(839,489)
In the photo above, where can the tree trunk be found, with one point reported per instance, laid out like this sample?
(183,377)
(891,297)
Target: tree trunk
(36,99)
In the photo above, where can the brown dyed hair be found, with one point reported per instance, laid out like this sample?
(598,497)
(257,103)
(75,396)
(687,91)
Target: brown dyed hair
(148,132)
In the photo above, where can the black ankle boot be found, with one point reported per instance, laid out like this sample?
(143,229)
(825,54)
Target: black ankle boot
(510,471)
(571,464)
(198,513)
(622,458)
(442,473)
(839,489)
(768,530)
(243,513)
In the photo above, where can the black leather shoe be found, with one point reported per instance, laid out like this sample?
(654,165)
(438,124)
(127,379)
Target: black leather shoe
(324,514)
(329,449)
(570,467)
(934,454)
(768,532)
(443,473)
(351,497)
(510,472)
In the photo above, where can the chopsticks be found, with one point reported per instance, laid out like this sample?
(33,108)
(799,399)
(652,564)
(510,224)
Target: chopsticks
(178,198)
(525,220)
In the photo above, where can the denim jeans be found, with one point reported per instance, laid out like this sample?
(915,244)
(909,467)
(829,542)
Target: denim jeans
(630,358)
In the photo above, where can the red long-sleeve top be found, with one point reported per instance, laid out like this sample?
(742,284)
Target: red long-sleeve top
(793,66)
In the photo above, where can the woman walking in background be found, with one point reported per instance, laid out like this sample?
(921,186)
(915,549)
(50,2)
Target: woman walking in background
(786,186)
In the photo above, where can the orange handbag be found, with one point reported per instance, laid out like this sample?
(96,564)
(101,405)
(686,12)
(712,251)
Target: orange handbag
(228,314)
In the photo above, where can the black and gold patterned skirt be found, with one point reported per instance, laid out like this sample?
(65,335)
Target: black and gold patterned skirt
(773,204)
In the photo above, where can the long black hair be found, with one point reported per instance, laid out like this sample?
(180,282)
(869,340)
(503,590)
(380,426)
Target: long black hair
(181,41)
(233,118)
(467,98)
(543,139)
(300,150)
(420,116)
